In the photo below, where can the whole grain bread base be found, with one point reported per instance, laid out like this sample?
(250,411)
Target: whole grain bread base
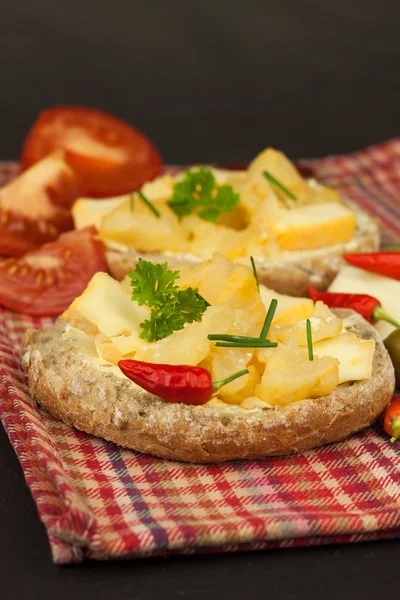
(76,390)
(290,273)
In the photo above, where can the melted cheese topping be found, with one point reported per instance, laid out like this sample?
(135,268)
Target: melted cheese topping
(265,223)
(104,324)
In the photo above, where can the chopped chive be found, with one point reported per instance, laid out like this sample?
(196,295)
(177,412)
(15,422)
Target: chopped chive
(255,344)
(309,340)
(201,298)
(131,202)
(149,204)
(222,337)
(268,319)
(253,266)
(280,185)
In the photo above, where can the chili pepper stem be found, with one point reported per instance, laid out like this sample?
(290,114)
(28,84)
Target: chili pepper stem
(218,383)
(395,422)
(379,314)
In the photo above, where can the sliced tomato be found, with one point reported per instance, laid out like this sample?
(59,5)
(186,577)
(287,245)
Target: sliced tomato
(34,207)
(111,157)
(44,282)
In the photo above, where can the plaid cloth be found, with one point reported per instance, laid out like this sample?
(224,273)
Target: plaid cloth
(99,501)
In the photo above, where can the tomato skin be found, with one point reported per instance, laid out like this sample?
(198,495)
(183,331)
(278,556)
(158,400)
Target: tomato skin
(111,157)
(45,281)
(391,420)
(35,205)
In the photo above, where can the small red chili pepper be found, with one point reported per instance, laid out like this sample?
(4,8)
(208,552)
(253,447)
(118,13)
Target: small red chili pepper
(175,383)
(367,306)
(382,263)
(391,420)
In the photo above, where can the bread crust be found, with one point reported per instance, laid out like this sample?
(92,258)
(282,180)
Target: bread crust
(89,397)
(291,273)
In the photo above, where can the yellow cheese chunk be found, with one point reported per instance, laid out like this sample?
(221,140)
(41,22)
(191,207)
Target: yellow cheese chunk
(280,167)
(254,402)
(133,224)
(107,306)
(190,345)
(289,310)
(354,355)
(216,402)
(356,281)
(290,376)
(204,238)
(86,211)
(314,226)
(228,284)
(244,388)
(81,340)
(160,189)
(106,349)
(86,345)
(324,324)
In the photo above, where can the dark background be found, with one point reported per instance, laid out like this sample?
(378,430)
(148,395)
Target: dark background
(207,81)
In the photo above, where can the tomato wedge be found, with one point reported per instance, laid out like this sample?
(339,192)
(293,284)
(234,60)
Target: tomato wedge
(45,281)
(34,207)
(111,157)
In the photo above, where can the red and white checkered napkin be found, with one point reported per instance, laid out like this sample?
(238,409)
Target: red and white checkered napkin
(99,501)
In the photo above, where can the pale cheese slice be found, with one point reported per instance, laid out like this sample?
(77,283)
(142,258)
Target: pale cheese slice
(105,304)
(356,281)
(314,226)
(290,376)
(354,354)
(289,310)
(86,211)
(324,324)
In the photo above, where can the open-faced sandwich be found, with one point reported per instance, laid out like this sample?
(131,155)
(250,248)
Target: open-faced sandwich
(296,229)
(202,364)
(86,160)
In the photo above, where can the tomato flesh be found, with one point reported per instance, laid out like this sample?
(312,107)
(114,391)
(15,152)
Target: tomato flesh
(44,282)
(110,156)
(35,206)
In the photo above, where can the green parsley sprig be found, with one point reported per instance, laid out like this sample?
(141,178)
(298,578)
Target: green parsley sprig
(198,193)
(154,285)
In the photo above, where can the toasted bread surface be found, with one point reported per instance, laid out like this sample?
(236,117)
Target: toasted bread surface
(69,385)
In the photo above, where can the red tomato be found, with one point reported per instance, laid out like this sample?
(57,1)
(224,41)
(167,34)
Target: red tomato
(391,421)
(34,207)
(44,282)
(111,157)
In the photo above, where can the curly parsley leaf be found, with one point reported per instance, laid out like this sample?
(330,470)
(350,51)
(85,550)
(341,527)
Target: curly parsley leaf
(171,308)
(189,304)
(199,193)
(152,284)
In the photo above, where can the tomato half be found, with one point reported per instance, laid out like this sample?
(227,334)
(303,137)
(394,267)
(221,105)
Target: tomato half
(34,207)
(111,157)
(44,282)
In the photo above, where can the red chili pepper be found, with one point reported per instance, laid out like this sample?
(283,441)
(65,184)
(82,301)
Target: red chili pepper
(175,383)
(391,420)
(383,263)
(367,306)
